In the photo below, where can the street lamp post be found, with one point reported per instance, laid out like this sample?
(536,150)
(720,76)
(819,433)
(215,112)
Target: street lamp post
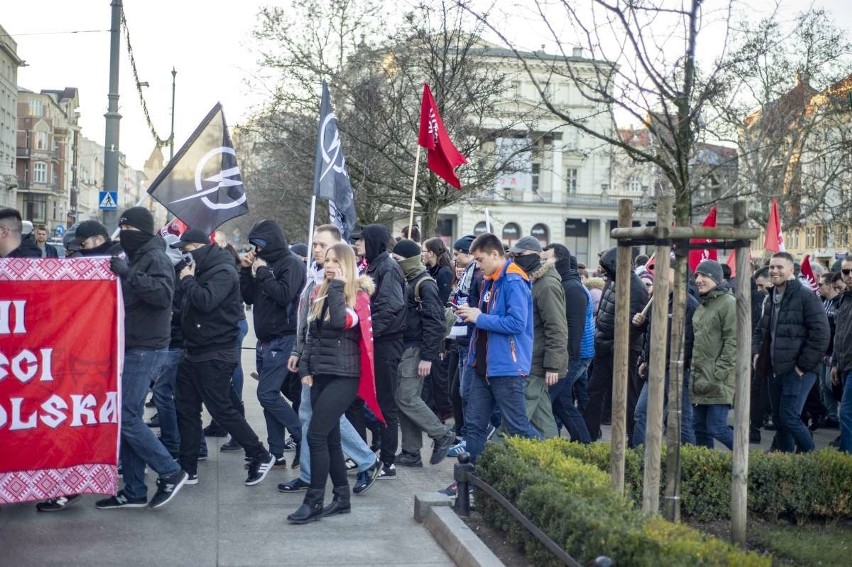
(113,118)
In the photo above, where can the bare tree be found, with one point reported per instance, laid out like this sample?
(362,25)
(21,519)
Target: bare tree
(376,63)
(784,104)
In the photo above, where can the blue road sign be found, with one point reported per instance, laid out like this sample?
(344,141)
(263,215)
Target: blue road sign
(108,200)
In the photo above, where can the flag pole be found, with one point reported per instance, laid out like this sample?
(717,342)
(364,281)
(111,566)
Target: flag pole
(311,229)
(413,192)
(487,221)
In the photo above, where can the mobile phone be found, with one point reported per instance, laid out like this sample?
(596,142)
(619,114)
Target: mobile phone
(452,305)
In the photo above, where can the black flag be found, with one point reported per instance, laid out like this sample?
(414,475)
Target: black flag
(202,185)
(331,181)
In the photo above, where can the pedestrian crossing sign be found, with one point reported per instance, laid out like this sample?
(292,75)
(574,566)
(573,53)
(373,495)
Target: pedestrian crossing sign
(108,200)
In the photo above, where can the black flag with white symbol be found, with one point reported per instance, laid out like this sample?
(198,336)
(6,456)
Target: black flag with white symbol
(202,185)
(331,181)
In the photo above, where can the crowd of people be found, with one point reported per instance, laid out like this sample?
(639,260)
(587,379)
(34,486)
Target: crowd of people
(364,346)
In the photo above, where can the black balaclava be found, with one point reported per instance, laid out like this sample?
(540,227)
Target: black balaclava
(529,263)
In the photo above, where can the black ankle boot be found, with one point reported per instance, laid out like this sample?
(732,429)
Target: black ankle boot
(340,503)
(311,508)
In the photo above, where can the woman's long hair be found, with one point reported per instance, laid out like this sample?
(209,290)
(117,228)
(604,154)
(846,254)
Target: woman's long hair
(437,247)
(346,258)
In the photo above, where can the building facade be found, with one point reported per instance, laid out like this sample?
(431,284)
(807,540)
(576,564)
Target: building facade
(9,63)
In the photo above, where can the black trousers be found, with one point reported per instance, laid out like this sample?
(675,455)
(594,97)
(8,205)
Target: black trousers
(209,382)
(386,355)
(759,401)
(600,385)
(436,387)
(330,396)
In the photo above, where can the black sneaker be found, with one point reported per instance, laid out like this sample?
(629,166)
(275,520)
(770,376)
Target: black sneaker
(154,421)
(57,504)
(388,472)
(367,478)
(259,468)
(121,500)
(280,463)
(295,485)
(192,479)
(213,430)
(442,445)
(231,445)
(411,460)
(351,466)
(290,444)
(168,487)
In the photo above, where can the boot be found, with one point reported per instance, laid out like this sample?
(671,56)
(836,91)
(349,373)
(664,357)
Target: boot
(340,502)
(311,508)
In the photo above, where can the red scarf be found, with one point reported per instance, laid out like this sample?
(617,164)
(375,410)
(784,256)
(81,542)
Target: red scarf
(367,385)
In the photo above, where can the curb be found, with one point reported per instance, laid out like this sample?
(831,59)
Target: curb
(462,545)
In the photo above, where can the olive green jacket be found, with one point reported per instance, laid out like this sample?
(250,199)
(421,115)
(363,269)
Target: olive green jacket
(714,350)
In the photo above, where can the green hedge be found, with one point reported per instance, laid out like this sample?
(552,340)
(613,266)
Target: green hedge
(812,486)
(574,504)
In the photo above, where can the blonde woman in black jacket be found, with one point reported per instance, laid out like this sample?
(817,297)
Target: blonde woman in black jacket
(332,366)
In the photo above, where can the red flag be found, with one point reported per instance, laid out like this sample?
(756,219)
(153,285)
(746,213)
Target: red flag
(808,274)
(732,263)
(651,264)
(442,157)
(176,227)
(696,256)
(774,240)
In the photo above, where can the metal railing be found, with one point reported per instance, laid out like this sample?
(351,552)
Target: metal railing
(464,477)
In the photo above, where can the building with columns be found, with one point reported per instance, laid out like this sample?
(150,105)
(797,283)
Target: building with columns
(9,63)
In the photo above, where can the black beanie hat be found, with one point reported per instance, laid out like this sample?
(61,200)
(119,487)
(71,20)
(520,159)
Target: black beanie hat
(712,270)
(138,217)
(464,243)
(407,248)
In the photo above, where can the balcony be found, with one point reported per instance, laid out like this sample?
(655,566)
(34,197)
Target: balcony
(36,153)
(46,188)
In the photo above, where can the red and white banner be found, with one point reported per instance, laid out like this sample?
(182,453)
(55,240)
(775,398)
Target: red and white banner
(61,335)
(698,256)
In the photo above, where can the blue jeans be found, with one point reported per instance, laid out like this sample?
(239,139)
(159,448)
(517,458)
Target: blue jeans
(581,388)
(271,359)
(562,398)
(640,416)
(711,422)
(787,394)
(139,445)
(844,414)
(164,400)
(504,392)
(237,378)
(353,444)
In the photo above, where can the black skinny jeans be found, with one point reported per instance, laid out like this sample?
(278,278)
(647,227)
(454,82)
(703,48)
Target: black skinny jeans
(330,396)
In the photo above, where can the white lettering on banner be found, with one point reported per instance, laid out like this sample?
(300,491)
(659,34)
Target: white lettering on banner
(5,317)
(25,365)
(85,410)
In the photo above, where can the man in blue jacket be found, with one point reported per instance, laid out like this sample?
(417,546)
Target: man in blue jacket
(501,346)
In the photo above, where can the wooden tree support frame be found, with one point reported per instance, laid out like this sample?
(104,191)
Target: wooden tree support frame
(666,237)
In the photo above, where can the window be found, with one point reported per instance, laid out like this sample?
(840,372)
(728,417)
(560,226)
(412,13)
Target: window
(36,108)
(480,228)
(634,184)
(41,140)
(39,172)
(571,181)
(536,173)
(511,232)
(35,207)
(542,233)
(810,238)
(577,239)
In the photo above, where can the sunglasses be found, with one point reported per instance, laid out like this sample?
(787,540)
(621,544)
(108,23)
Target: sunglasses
(846,271)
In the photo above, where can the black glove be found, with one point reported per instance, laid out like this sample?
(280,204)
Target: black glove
(118,265)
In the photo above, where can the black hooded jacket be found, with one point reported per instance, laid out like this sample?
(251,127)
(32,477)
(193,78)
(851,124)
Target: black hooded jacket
(605,321)
(576,302)
(211,302)
(148,289)
(274,290)
(28,248)
(388,302)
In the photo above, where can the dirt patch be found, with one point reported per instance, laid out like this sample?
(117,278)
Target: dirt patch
(497,541)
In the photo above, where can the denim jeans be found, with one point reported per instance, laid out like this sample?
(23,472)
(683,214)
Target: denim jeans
(844,414)
(237,378)
(581,387)
(711,422)
(139,445)
(562,397)
(505,393)
(271,359)
(164,400)
(787,394)
(640,416)
(353,444)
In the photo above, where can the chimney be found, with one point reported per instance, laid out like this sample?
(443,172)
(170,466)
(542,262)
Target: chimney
(578,52)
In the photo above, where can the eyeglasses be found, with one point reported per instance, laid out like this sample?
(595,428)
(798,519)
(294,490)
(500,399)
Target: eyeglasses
(846,271)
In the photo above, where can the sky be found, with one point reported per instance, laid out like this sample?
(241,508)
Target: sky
(208,42)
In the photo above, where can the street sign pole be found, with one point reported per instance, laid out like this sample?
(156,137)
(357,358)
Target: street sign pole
(113,118)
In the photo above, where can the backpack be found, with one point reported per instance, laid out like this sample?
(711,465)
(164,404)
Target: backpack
(449,314)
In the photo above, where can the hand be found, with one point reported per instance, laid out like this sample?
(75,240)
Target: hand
(551,378)
(247,259)
(258,262)
(835,376)
(468,314)
(338,274)
(308,381)
(643,370)
(119,265)
(638,319)
(424,368)
(188,270)
(293,363)
(799,371)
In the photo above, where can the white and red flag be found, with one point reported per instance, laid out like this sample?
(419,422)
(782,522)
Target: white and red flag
(442,157)
(61,344)
(697,256)
(774,239)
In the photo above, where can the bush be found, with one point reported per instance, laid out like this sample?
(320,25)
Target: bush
(574,504)
(811,486)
